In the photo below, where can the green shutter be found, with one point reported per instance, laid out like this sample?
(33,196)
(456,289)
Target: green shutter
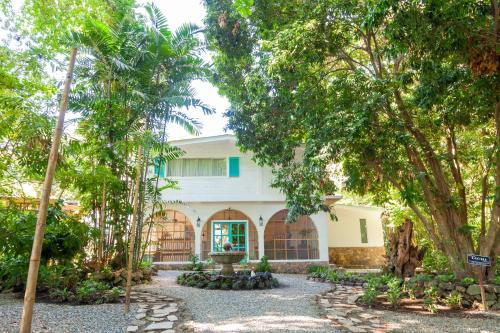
(161,168)
(364,231)
(234,166)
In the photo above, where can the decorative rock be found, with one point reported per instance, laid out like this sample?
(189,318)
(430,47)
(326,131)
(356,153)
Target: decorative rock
(172,318)
(164,325)
(474,290)
(140,316)
(132,328)
(155,319)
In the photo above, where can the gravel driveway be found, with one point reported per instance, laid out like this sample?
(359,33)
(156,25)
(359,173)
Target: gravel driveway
(290,308)
(59,318)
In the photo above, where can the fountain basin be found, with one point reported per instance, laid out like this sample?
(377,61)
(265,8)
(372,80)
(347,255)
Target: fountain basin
(227,259)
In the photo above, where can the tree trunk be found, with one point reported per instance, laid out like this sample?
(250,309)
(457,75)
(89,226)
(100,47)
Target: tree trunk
(102,230)
(403,256)
(29,295)
(131,244)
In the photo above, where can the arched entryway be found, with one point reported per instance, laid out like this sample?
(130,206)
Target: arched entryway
(229,224)
(171,237)
(290,241)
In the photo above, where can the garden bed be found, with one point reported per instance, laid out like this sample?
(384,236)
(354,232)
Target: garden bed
(241,280)
(425,292)
(418,306)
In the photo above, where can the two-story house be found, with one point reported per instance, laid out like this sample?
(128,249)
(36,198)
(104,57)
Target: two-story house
(224,196)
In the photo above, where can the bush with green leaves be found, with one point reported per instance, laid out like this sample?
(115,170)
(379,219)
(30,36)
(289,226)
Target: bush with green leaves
(370,293)
(431,299)
(65,237)
(454,300)
(195,264)
(394,291)
(91,291)
(263,265)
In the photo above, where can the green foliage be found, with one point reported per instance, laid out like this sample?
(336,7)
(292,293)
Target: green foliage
(263,265)
(431,299)
(64,238)
(412,112)
(13,271)
(195,264)
(454,300)
(468,281)
(435,261)
(91,291)
(394,291)
(370,293)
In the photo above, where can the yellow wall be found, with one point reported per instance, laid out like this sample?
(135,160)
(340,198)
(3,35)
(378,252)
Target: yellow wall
(346,231)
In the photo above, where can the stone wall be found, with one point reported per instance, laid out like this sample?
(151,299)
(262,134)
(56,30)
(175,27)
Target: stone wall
(357,257)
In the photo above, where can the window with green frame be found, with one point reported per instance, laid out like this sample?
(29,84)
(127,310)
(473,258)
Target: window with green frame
(233,232)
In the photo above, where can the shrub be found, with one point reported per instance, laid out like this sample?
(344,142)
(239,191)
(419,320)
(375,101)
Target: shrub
(91,291)
(60,295)
(195,264)
(64,238)
(435,261)
(315,268)
(394,291)
(468,281)
(444,278)
(263,265)
(454,300)
(410,287)
(370,293)
(431,299)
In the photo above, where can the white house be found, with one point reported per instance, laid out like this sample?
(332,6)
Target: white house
(224,196)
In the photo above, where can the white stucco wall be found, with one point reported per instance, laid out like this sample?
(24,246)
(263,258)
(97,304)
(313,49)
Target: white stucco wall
(251,185)
(346,232)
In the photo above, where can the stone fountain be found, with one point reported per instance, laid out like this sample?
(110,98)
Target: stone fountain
(227,258)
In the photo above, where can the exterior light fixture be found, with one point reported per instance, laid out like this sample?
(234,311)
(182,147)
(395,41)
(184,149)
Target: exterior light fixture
(261,221)
(198,221)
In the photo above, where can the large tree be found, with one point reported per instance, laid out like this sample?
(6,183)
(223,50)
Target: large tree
(404,95)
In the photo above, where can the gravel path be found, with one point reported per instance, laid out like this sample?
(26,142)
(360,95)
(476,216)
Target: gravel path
(59,318)
(290,308)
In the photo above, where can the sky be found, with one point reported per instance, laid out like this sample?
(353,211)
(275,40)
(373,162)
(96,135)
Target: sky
(178,12)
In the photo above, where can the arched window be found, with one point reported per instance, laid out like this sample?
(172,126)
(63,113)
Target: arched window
(171,237)
(290,241)
(240,229)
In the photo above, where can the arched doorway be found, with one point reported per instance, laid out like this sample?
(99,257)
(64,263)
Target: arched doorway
(233,225)
(290,241)
(171,237)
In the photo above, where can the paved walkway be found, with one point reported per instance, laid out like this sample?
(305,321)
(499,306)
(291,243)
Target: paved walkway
(290,308)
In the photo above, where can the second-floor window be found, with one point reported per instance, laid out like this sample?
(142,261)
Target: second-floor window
(197,167)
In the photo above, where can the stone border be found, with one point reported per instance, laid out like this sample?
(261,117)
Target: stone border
(339,306)
(156,313)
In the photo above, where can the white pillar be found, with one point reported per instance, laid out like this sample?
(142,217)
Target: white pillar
(260,231)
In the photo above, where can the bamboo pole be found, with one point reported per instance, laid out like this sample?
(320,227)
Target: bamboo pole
(30,293)
(131,245)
